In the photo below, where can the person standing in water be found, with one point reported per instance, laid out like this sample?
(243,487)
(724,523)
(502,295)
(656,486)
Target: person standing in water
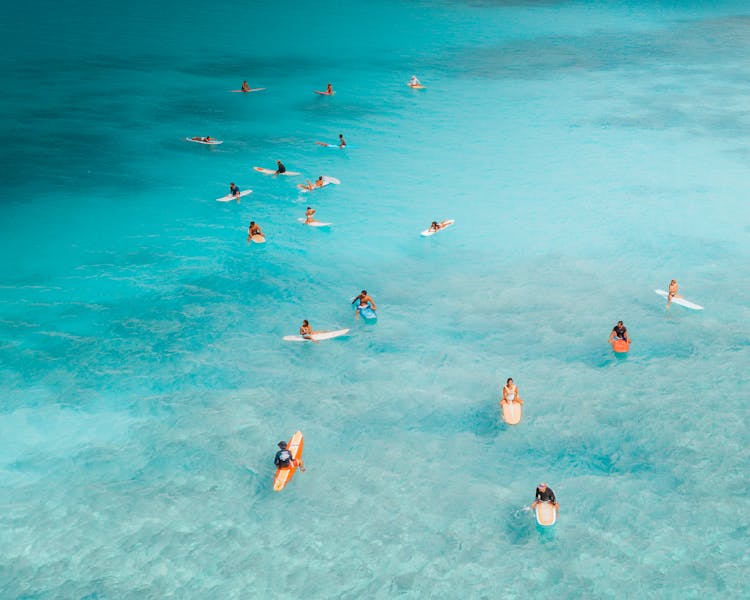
(544,494)
(510,393)
(363,298)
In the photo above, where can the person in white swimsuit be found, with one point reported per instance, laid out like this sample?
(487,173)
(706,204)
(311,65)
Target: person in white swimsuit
(510,393)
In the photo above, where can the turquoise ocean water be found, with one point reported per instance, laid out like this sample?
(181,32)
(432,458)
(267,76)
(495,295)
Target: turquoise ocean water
(589,153)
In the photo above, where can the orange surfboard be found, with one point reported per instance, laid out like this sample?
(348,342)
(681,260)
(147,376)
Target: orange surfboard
(511,412)
(620,345)
(284,474)
(546,514)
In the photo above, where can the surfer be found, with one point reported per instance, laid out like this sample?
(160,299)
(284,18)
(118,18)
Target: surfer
(245,87)
(284,460)
(329,89)
(208,138)
(510,393)
(235,191)
(309,214)
(253,229)
(414,81)
(435,226)
(319,183)
(342,142)
(544,494)
(364,298)
(673,289)
(619,332)
(280,168)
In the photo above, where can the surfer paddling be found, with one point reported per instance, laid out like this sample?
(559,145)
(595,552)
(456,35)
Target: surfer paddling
(619,332)
(284,460)
(435,226)
(318,183)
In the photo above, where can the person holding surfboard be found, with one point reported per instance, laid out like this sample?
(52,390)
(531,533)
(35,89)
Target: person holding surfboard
(253,229)
(544,494)
(674,288)
(510,393)
(619,332)
(284,460)
(280,168)
(235,191)
(364,298)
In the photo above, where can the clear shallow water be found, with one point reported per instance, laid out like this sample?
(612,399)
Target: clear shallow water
(588,155)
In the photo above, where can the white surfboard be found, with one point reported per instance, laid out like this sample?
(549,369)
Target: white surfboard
(546,514)
(323,335)
(230,197)
(210,142)
(248,91)
(314,223)
(512,412)
(258,239)
(680,301)
(273,171)
(428,232)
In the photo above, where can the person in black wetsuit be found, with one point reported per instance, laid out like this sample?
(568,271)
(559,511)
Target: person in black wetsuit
(283,458)
(619,332)
(544,494)
(280,168)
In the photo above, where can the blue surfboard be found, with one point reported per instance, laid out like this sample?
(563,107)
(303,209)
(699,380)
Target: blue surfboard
(367,313)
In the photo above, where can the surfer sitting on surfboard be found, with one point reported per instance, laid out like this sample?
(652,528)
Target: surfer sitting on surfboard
(253,229)
(329,89)
(309,214)
(280,168)
(510,393)
(235,191)
(342,142)
(284,460)
(673,289)
(414,81)
(544,494)
(245,87)
(619,332)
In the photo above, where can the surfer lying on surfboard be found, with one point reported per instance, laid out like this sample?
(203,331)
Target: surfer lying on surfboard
(544,494)
(510,393)
(435,226)
(208,138)
(319,183)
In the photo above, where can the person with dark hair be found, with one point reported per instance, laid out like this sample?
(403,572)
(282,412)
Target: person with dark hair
(544,494)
